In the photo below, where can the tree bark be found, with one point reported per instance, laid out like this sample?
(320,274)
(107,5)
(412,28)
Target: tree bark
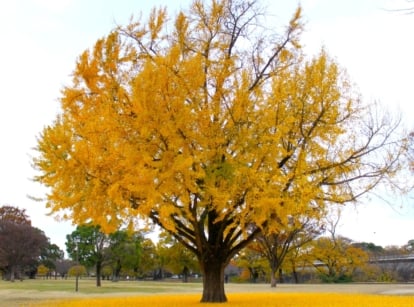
(213,281)
(273,280)
(117,271)
(185,274)
(281,280)
(98,273)
(295,276)
(12,273)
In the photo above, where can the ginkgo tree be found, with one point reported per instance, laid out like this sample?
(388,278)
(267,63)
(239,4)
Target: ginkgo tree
(212,126)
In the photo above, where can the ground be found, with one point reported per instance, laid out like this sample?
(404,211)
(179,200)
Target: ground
(32,291)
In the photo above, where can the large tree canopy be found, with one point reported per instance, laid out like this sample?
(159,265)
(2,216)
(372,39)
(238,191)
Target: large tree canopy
(213,127)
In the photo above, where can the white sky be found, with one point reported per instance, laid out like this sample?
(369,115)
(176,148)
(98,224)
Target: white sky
(41,39)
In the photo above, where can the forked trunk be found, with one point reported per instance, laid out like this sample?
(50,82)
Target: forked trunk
(213,282)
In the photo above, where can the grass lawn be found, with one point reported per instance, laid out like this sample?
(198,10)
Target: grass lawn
(31,292)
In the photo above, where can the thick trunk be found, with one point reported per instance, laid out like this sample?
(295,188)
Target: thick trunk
(213,282)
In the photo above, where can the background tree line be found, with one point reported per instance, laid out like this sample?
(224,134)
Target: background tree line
(311,252)
(22,246)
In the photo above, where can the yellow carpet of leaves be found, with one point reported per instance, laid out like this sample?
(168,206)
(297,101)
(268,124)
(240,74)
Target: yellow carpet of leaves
(247,299)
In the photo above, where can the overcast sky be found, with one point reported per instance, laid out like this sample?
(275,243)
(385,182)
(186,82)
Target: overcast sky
(41,40)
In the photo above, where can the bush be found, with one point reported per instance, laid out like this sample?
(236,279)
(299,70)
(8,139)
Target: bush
(335,279)
(42,270)
(77,270)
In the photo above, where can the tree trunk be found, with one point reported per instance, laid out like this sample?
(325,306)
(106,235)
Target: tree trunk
(281,280)
(273,280)
(213,281)
(98,273)
(295,276)
(12,273)
(185,274)
(117,271)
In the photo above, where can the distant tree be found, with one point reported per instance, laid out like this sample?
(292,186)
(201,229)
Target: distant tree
(14,214)
(20,246)
(369,247)
(405,270)
(297,258)
(77,270)
(252,260)
(335,259)
(276,245)
(148,265)
(177,259)
(124,251)
(62,267)
(107,272)
(160,261)
(409,246)
(394,250)
(42,270)
(374,251)
(86,245)
(49,256)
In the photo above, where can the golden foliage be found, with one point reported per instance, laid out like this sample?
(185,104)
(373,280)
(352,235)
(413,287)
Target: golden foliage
(209,131)
(42,270)
(77,270)
(337,258)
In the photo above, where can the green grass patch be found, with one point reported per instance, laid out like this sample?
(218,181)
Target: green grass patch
(31,292)
(87,286)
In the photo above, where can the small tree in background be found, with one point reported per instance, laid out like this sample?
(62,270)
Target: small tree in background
(336,260)
(86,245)
(63,266)
(148,264)
(252,261)
(178,259)
(42,270)
(77,271)
(276,245)
(124,252)
(49,256)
